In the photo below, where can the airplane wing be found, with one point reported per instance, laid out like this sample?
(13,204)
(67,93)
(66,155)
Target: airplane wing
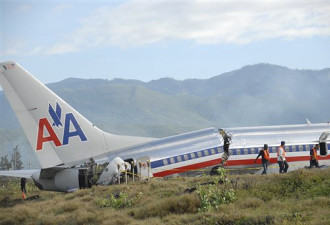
(18,173)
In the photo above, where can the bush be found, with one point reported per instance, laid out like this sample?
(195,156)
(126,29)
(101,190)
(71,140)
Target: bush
(213,195)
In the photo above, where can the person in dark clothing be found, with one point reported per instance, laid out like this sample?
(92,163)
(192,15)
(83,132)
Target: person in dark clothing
(265,158)
(226,141)
(23,183)
(313,153)
(226,144)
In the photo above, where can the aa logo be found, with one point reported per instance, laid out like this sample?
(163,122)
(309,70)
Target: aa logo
(71,128)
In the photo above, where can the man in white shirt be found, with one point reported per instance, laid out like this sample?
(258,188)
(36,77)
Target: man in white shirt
(281,158)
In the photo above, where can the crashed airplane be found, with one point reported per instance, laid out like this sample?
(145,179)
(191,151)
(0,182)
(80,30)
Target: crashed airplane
(71,150)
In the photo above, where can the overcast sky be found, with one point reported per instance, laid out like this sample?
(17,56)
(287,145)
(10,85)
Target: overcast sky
(150,39)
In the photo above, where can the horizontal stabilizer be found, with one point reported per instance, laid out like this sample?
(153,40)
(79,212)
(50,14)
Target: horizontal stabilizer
(18,173)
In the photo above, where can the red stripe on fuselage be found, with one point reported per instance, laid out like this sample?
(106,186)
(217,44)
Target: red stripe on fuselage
(238,162)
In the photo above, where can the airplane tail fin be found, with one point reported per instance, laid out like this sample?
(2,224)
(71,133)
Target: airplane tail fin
(57,133)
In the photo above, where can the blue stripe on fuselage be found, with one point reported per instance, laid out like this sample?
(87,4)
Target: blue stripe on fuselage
(218,150)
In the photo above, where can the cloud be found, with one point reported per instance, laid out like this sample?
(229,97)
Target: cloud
(24,7)
(141,22)
(13,47)
(62,7)
(61,48)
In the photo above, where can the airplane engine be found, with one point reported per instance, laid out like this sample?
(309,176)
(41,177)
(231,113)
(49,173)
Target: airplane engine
(71,179)
(64,180)
(112,172)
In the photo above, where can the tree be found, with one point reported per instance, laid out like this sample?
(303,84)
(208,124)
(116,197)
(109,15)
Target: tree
(16,159)
(5,164)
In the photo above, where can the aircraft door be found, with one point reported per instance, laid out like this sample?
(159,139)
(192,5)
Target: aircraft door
(323,148)
(83,179)
(323,143)
(144,168)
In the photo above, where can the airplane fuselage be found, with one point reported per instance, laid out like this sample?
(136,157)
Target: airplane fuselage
(203,149)
(64,141)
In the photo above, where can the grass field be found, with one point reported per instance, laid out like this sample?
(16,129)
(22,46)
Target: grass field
(300,197)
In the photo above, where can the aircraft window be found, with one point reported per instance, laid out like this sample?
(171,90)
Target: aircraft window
(219,149)
(246,151)
(294,148)
(179,158)
(287,149)
(238,151)
(185,157)
(301,148)
(212,151)
(172,160)
(165,162)
(206,152)
(192,155)
(199,154)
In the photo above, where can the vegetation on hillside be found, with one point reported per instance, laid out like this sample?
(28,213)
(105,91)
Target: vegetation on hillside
(300,197)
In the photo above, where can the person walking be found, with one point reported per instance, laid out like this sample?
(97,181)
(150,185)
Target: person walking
(265,158)
(281,158)
(314,160)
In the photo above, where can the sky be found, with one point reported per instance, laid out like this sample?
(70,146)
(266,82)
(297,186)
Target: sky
(147,40)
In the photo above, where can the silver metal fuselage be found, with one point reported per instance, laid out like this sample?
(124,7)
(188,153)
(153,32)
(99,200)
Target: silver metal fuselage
(204,148)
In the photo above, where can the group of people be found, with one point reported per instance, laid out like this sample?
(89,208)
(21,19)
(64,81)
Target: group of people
(281,160)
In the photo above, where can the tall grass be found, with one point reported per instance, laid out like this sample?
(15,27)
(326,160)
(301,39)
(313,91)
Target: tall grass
(300,197)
